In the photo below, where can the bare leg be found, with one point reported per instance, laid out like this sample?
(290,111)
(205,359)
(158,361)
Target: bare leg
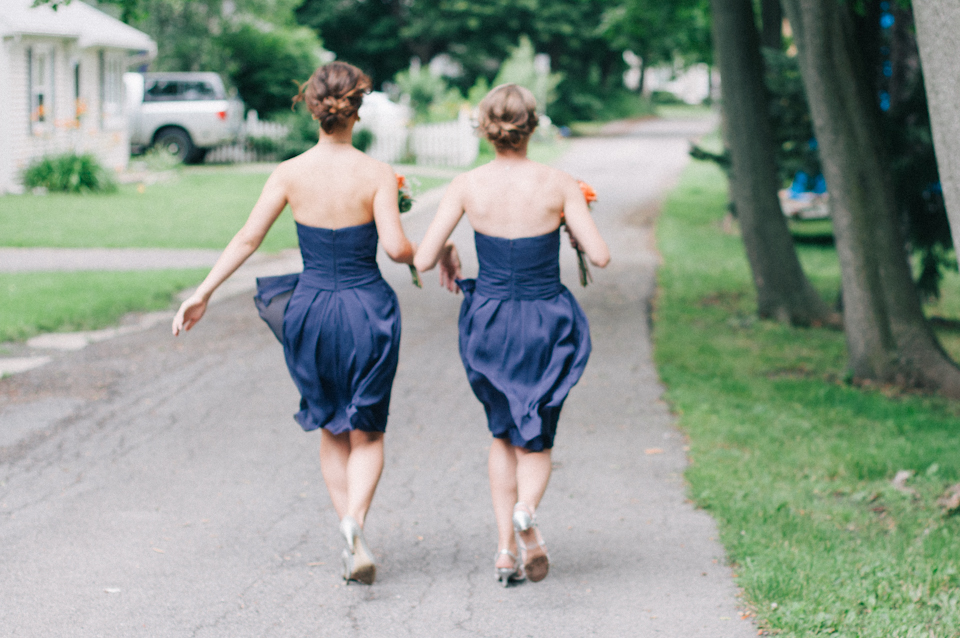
(364,467)
(533,474)
(502,467)
(334,454)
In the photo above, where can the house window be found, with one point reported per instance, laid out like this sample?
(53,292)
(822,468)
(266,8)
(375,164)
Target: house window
(111,89)
(41,89)
(79,104)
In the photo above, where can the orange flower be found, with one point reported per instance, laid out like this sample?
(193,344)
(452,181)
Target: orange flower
(588,193)
(401,181)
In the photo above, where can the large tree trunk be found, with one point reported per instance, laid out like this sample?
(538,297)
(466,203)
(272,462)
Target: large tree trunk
(783,291)
(771,19)
(888,338)
(938,35)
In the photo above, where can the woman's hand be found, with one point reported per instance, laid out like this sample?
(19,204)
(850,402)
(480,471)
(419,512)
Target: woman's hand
(189,314)
(449,268)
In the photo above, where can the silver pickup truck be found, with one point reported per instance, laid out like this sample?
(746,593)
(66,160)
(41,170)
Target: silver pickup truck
(186,114)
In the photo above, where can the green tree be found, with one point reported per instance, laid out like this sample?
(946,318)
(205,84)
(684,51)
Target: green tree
(888,338)
(266,64)
(521,68)
(783,290)
(382,36)
(658,32)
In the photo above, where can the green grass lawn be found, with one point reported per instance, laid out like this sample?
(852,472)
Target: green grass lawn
(194,209)
(795,464)
(197,208)
(31,303)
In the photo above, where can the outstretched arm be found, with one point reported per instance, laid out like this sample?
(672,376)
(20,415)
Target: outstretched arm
(268,207)
(434,248)
(583,231)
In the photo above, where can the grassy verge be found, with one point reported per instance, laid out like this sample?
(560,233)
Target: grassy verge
(201,209)
(796,465)
(196,208)
(31,303)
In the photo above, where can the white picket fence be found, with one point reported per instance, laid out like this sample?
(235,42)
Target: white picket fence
(446,143)
(239,152)
(442,144)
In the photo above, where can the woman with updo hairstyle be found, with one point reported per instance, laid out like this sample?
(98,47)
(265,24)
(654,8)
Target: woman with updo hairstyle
(338,320)
(524,340)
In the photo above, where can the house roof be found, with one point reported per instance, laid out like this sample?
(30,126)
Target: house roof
(76,20)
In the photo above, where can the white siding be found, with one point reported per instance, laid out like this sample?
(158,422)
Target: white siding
(100,131)
(6,90)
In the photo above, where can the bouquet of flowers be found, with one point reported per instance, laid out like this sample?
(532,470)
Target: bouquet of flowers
(591,196)
(405,203)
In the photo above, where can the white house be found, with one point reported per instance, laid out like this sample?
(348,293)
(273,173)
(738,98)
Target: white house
(61,85)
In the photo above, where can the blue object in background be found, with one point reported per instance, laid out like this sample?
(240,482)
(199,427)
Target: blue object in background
(800,182)
(884,101)
(887,20)
(819,185)
(803,183)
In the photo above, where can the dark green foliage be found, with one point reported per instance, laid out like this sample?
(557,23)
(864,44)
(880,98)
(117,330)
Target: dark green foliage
(790,117)
(382,36)
(362,139)
(364,33)
(898,81)
(266,66)
(69,173)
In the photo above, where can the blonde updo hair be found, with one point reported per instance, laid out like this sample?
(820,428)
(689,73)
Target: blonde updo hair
(334,93)
(507,116)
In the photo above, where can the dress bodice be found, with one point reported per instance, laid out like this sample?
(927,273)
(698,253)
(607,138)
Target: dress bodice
(334,259)
(524,268)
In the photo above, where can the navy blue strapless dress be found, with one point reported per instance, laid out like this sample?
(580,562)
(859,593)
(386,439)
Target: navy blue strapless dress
(524,339)
(340,329)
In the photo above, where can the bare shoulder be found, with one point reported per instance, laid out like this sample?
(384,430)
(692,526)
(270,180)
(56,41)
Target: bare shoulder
(286,172)
(554,178)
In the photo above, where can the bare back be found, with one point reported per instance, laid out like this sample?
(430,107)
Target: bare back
(334,185)
(514,199)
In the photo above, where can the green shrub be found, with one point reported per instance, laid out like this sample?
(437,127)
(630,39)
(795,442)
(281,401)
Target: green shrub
(69,173)
(362,139)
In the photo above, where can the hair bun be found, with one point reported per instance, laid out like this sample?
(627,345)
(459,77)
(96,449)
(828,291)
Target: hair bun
(508,116)
(334,93)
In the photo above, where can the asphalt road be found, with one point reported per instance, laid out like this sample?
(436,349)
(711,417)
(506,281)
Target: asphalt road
(152,486)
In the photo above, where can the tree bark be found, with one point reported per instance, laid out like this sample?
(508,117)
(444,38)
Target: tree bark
(771,17)
(888,338)
(783,290)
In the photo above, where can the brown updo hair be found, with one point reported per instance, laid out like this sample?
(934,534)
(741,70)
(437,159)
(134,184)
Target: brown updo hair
(334,93)
(507,116)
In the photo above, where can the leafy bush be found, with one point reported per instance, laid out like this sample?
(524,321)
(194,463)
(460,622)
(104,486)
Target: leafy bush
(267,64)
(431,98)
(362,139)
(69,173)
(523,68)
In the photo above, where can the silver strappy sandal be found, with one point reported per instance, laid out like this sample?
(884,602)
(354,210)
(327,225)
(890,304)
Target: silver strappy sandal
(535,567)
(358,562)
(507,575)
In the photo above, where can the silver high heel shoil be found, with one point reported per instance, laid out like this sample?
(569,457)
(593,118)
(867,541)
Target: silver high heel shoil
(536,561)
(357,559)
(507,575)
(522,517)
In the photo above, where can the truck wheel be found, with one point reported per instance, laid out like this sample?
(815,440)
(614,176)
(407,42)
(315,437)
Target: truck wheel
(176,142)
